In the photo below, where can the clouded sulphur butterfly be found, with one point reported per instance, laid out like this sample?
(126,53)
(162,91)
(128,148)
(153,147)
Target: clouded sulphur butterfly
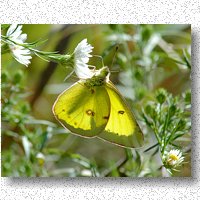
(94,108)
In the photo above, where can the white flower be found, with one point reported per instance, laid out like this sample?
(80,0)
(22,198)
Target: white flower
(173,158)
(41,159)
(81,58)
(86,172)
(20,53)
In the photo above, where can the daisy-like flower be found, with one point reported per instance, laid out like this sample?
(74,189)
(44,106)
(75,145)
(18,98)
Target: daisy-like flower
(41,159)
(173,158)
(20,53)
(81,56)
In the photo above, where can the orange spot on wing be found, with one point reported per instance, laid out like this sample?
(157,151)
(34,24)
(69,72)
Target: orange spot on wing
(121,112)
(90,112)
(106,117)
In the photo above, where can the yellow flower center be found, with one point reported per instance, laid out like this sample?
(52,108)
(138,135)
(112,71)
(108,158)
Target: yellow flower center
(173,157)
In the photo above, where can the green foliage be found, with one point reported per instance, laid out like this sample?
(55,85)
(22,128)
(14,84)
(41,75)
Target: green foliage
(168,117)
(151,69)
(21,133)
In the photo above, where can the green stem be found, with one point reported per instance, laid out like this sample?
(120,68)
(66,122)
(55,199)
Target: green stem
(160,106)
(163,133)
(174,130)
(157,135)
(48,56)
(27,46)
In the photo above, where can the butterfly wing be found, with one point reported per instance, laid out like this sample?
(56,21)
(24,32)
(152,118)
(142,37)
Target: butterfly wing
(122,128)
(82,110)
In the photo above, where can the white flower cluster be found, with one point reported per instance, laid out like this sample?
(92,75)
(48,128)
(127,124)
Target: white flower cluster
(20,53)
(78,60)
(81,58)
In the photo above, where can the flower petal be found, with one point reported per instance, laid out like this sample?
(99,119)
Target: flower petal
(81,58)
(20,53)
(82,70)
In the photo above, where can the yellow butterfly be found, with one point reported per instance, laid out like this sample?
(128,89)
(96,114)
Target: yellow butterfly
(94,108)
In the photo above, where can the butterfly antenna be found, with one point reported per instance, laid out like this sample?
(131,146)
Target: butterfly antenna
(100,58)
(70,74)
(116,49)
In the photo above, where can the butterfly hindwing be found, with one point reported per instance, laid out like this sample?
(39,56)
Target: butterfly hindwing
(83,110)
(122,128)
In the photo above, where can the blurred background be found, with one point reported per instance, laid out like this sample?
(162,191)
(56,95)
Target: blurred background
(149,57)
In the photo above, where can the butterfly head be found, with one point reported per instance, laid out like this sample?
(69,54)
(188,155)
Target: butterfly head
(100,77)
(103,73)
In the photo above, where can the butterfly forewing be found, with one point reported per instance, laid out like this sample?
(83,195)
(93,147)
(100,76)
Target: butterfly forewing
(122,128)
(83,110)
